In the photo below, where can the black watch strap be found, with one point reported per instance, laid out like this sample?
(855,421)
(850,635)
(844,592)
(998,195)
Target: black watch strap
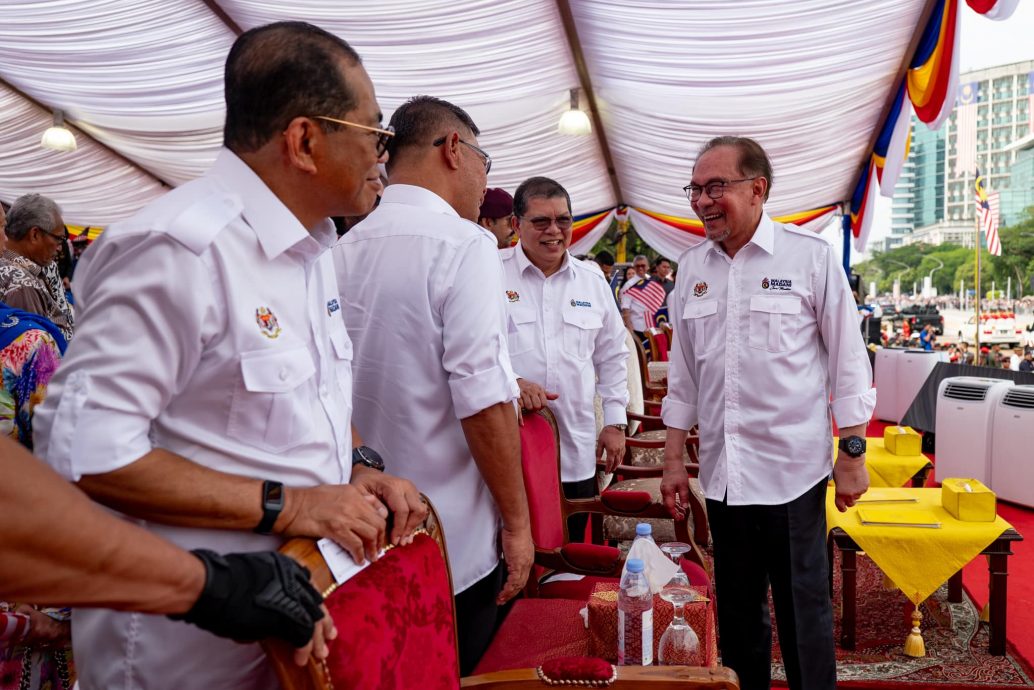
(854,446)
(272,505)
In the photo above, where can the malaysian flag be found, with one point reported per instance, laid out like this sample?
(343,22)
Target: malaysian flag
(987,213)
(966,128)
(650,294)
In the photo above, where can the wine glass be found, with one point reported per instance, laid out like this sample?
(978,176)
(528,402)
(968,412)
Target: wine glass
(679,645)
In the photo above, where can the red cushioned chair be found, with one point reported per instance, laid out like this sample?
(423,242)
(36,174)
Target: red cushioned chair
(658,340)
(396,629)
(554,553)
(651,391)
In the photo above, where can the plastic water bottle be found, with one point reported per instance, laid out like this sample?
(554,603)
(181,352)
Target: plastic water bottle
(635,617)
(643,530)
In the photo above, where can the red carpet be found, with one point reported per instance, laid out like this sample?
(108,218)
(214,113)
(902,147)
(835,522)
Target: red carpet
(1020,624)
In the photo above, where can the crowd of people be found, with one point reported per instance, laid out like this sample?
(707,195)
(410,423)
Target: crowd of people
(240,371)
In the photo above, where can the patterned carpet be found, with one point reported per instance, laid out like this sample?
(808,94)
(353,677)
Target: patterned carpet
(956,643)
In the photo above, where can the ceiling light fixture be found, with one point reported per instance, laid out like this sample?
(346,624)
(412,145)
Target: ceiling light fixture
(574,121)
(59,137)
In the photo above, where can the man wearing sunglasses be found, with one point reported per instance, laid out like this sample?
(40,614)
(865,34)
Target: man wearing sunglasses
(208,391)
(35,233)
(434,390)
(566,338)
(767,349)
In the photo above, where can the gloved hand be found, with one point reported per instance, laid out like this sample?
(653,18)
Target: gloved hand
(252,596)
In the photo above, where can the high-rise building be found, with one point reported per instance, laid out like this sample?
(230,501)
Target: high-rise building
(993,115)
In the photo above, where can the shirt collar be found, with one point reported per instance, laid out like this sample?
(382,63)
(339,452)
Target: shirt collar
(764,237)
(24,262)
(411,195)
(276,227)
(523,262)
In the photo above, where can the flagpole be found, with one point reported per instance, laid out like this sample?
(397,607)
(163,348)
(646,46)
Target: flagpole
(976,221)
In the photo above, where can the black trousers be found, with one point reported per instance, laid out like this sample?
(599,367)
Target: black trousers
(785,546)
(477,617)
(585,488)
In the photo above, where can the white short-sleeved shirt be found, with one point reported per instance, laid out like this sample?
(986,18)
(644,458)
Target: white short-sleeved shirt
(211,326)
(423,298)
(766,345)
(566,334)
(636,309)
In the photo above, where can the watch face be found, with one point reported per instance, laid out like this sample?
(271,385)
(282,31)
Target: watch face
(855,446)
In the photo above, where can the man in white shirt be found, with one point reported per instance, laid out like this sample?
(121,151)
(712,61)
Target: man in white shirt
(766,347)
(566,338)
(434,389)
(641,297)
(208,390)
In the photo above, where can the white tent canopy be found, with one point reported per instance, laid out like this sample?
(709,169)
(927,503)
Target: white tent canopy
(141,83)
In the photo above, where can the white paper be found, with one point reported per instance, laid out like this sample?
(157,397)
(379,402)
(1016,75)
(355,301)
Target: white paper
(342,566)
(658,567)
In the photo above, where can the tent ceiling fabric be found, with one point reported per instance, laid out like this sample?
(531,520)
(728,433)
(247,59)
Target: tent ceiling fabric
(144,79)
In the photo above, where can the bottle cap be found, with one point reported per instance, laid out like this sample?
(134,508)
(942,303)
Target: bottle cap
(634,565)
(643,529)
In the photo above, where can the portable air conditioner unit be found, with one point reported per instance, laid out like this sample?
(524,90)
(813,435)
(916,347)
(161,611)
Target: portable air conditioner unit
(965,413)
(1012,446)
(885,377)
(914,367)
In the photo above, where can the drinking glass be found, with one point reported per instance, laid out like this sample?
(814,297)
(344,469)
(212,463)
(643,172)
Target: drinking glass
(679,644)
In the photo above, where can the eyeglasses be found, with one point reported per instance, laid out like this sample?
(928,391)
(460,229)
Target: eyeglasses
(59,238)
(480,152)
(542,223)
(385,134)
(715,190)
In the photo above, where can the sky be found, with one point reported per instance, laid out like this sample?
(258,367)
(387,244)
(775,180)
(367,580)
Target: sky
(983,43)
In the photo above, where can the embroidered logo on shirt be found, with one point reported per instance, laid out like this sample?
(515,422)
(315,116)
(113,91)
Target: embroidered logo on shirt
(700,289)
(332,306)
(580,303)
(776,284)
(513,296)
(268,325)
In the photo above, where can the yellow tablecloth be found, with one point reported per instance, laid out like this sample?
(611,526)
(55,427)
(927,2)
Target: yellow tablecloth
(917,559)
(885,468)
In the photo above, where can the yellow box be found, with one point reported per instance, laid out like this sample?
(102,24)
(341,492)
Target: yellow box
(968,500)
(902,440)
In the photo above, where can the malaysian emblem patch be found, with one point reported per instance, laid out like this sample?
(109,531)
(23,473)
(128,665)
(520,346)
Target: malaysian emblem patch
(513,296)
(268,325)
(700,289)
(764,283)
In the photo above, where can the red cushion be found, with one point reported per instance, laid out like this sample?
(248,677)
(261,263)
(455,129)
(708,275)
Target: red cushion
(572,589)
(697,576)
(591,556)
(395,622)
(662,346)
(541,481)
(626,501)
(535,631)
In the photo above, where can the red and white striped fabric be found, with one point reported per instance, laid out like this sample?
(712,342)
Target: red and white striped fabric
(650,294)
(13,626)
(989,223)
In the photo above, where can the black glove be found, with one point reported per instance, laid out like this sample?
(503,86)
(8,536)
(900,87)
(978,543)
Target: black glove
(252,596)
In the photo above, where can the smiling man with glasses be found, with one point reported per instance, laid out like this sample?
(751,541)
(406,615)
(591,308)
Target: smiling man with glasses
(226,285)
(422,294)
(766,351)
(565,338)
(35,233)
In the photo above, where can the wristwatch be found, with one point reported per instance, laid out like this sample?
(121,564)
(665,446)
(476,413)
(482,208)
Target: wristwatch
(620,427)
(364,455)
(272,504)
(854,446)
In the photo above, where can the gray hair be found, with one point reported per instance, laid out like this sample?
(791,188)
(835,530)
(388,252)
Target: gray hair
(32,211)
(754,162)
(640,256)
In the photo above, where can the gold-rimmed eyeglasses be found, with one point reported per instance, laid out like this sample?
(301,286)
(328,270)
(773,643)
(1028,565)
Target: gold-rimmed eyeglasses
(385,133)
(481,152)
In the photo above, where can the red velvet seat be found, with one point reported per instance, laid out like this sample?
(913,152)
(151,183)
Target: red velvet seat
(659,344)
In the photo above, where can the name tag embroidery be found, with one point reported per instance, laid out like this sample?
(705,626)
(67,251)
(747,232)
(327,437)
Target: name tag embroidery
(776,284)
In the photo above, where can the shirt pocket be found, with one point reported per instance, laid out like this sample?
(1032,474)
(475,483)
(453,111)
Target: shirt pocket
(773,321)
(272,405)
(520,327)
(342,345)
(701,317)
(580,329)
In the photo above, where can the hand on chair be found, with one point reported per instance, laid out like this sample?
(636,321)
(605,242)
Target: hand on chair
(534,396)
(399,495)
(612,440)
